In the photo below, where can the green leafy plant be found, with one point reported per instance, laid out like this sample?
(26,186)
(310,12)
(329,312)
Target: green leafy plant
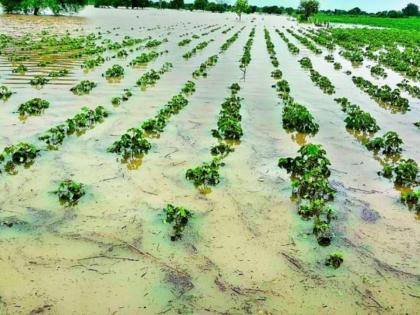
(405,172)
(84,87)
(378,71)
(306,63)
(334,260)
(21,69)
(35,106)
(131,144)
(277,74)
(19,154)
(82,121)
(389,143)
(5,93)
(188,88)
(58,73)
(205,175)
(116,71)
(411,199)
(297,118)
(179,217)
(69,192)
(39,80)
(221,150)
(357,119)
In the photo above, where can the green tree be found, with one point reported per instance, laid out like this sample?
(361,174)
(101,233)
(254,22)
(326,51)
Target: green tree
(411,10)
(308,8)
(200,4)
(240,7)
(37,6)
(176,4)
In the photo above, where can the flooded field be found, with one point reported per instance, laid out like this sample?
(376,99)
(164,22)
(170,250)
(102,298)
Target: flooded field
(245,249)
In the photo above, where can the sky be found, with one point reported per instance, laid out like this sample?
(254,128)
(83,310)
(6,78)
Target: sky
(365,5)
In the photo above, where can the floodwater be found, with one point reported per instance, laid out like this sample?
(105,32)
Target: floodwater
(246,250)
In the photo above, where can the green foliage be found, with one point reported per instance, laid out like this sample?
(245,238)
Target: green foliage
(221,150)
(389,143)
(413,90)
(155,42)
(116,71)
(144,58)
(296,117)
(38,6)
(404,172)
(292,48)
(35,106)
(149,78)
(202,70)
(411,199)
(39,80)
(308,8)
(357,119)
(131,144)
(84,87)
(184,42)
(241,6)
(378,71)
(21,69)
(92,63)
(398,24)
(246,57)
(58,73)
(69,192)
(81,122)
(5,93)
(229,121)
(197,48)
(179,217)
(306,63)
(205,175)
(18,154)
(188,88)
(334,260)
(310,172)
(385,94)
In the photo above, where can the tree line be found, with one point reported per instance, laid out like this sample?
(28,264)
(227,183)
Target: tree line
(304,11)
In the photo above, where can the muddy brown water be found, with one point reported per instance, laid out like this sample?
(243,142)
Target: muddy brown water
(246,250)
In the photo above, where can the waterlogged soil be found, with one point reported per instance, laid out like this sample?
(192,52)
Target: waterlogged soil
(245,251)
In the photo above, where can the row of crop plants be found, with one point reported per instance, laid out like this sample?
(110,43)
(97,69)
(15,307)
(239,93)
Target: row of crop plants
(403,171)
(310,170)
